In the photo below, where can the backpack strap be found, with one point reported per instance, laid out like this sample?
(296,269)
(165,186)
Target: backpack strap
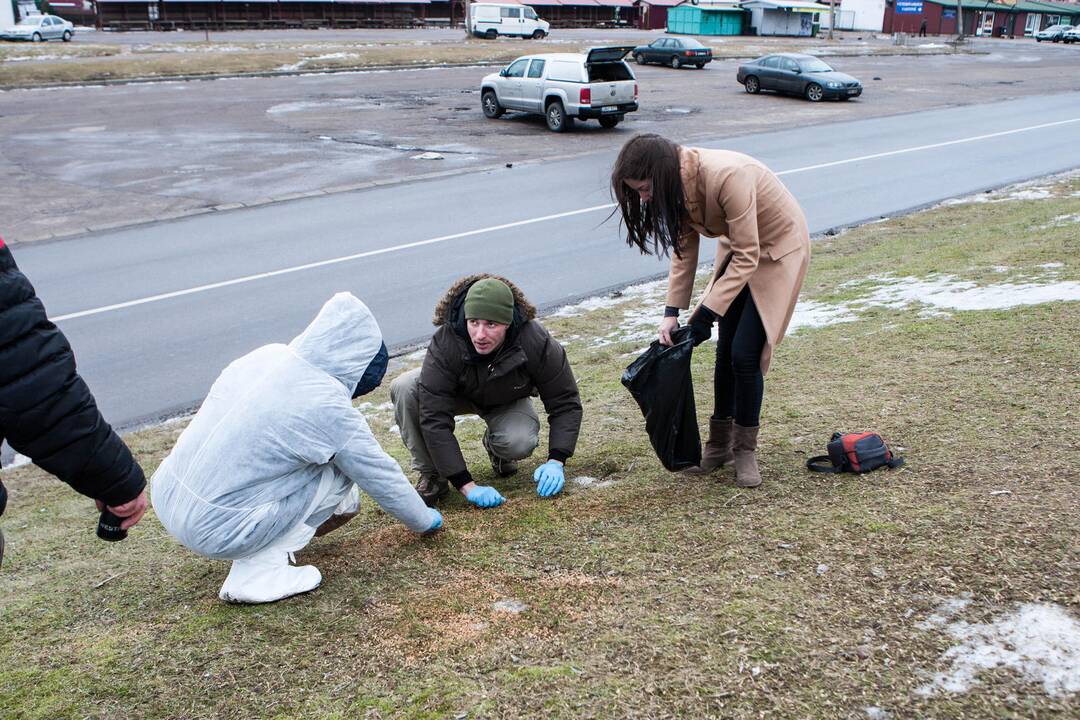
(895,462)
(822,464)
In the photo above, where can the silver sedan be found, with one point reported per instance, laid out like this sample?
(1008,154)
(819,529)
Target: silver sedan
(38,28)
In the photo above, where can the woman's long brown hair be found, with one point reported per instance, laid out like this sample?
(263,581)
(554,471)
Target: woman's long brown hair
(656,226)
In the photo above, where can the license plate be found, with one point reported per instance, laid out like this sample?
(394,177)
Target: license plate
(610,108)
(853,91)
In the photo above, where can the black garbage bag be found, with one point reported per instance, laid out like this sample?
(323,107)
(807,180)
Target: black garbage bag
(660,382)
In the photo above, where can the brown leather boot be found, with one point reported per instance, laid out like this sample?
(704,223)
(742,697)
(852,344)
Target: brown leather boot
(744,443)
(717,450)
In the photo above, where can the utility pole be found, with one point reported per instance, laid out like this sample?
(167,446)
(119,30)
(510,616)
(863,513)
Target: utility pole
(468,17)
(832,16)
(959,20)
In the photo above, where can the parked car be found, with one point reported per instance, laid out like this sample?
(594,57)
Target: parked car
(490,20)
(1052,33)
(673,51)
(37,28)
(796,74)
(1071,36)
(597,85)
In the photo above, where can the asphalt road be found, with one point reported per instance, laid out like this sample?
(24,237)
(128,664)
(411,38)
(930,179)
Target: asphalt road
(150,358)
(98,158)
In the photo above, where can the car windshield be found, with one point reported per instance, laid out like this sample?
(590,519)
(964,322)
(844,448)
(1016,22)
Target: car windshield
(35,20)
(815,65)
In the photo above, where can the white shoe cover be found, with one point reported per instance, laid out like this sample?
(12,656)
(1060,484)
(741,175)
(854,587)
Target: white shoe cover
(266,577)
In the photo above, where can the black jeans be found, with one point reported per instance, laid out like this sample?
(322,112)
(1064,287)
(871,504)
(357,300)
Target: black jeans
(738,382)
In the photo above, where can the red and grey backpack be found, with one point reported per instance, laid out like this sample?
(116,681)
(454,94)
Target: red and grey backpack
(855,452)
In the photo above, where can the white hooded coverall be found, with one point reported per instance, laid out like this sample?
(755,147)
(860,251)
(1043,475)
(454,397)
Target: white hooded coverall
(277,444)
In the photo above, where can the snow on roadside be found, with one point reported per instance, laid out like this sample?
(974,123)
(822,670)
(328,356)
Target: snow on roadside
(935,296)
(1040,189)
(1038,641)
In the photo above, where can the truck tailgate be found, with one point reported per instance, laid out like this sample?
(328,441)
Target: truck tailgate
(612,93)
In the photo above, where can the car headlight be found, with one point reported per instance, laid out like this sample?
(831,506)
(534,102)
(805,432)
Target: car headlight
(833,84)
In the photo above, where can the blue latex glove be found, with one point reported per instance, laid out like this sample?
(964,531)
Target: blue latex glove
(436,521)
(549,478)
(485,496)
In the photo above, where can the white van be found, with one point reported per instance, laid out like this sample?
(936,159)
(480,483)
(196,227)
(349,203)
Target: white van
(490,20)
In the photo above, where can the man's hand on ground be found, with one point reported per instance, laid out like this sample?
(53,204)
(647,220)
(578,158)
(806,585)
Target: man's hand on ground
(436,522)
(482,496)
(549,478)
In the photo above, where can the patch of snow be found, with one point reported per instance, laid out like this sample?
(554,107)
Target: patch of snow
(395,429)
(1053,265)
(655,289)
(1061,221)
(590,482)
(25,58)
(822,569)
(1001,268)
(1033,194)
(18,461)
(938,294)
(946,611)
(813,314)
(932,45)
(373,408)
(428,156)
(512,606)
(1039,189)
(1039,641)
(945,291)
(875,713)
(466,418)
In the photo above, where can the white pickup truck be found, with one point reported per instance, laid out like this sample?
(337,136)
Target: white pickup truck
(597,85)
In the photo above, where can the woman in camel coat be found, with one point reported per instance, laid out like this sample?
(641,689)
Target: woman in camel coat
(669,196)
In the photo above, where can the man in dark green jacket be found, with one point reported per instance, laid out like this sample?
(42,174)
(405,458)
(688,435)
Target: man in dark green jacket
(488,357)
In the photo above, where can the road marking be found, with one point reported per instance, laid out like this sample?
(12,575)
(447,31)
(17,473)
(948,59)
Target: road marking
(322,263)
(505,226)
(927,147)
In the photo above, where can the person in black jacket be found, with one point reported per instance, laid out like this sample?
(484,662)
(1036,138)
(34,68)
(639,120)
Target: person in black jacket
(48,413)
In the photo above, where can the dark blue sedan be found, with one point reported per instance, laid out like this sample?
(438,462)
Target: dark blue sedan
(798,74)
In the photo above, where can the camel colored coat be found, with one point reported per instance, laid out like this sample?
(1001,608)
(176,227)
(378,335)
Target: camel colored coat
(762,239)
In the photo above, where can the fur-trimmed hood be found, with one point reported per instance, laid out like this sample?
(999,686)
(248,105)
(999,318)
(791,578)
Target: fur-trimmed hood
(449,307)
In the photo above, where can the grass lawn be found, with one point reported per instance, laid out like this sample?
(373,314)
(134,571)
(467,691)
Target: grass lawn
(646,594)
(29,65)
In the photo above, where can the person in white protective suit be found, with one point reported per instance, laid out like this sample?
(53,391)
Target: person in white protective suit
(277,449)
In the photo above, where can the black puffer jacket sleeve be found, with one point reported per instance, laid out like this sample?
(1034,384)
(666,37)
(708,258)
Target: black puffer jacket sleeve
(438,401)
(558,390)
(47,412)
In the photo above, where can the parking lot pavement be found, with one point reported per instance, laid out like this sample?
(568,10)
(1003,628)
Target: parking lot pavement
(94,157)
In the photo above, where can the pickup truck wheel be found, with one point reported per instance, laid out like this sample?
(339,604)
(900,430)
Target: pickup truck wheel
(490,102)
(538,35)
(676,63)
(557,121)
(639,58)
(751,84)
(609,122)
(491,34)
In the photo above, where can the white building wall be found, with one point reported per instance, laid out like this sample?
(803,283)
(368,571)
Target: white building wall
(7,15)
(867,15)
